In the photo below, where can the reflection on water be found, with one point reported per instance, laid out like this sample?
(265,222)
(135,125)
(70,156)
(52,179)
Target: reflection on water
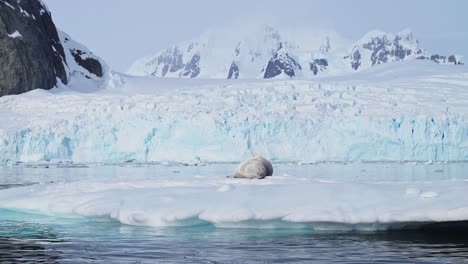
(27,243)
(87,242)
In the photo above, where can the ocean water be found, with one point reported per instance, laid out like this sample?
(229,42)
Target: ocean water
(37,238)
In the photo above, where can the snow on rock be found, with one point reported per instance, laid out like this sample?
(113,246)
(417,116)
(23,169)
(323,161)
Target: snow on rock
(256,52)
(413,110)
(15,34)
(378,47)
(289,202)
(281,64)
(80,61)
(265,52)
(7,4)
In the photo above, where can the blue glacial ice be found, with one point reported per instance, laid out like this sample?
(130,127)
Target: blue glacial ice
(161,120)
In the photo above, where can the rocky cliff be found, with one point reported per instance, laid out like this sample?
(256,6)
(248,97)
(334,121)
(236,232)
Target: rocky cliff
(32,53)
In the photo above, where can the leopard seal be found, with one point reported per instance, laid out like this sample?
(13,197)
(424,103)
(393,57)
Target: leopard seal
(255,167)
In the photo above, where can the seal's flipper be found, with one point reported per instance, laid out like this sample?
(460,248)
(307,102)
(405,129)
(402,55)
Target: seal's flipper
(244,176)
(252,176)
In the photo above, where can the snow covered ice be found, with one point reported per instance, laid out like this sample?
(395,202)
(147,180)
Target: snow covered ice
(401,111)
(312,196)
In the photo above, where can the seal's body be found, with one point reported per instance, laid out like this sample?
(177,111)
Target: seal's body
(255,167)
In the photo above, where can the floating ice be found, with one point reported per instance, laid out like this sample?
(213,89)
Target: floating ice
(276,202)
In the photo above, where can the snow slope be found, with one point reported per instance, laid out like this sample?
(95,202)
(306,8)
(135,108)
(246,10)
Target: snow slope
(93,71)
(411,110)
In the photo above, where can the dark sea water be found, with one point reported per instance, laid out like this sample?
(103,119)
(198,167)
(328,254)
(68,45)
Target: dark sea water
(29,238)
(29,242)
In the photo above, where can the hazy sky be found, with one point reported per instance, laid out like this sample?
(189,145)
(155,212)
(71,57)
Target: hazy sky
(122,31)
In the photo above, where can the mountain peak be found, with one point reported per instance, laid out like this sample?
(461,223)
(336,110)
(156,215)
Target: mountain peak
(264,51)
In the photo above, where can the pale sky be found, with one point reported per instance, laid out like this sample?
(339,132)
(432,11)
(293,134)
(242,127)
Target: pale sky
(121,31)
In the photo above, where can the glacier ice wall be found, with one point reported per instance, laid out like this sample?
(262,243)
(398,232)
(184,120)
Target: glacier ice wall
(300,121)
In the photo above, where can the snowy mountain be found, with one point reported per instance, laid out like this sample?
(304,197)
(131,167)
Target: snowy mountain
(378,47)
(268,53)
(80,62)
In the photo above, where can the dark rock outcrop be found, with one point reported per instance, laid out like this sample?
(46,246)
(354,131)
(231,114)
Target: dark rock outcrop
(31,55)
(318,65)
(384,48)
(233,71)
(355,58)
(171,61)
(452,59)
(281,63)
(192,68)
(90,64)
(265,53)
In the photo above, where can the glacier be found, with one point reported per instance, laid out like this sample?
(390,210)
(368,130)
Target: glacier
(403,111)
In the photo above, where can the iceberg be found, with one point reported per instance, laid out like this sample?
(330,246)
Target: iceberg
(282,201)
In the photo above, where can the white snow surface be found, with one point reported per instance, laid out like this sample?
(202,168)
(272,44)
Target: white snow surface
(276,202)
(15,34)
(410,110)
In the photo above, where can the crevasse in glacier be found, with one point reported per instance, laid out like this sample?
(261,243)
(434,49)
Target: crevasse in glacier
(144,119)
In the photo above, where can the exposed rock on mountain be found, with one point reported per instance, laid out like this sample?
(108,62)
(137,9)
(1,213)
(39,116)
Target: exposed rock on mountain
(355,58)
(267,53)
(233,71)
(79,60)
(379,47)
(215,55)
(318,65)
(281,63)
(90,64)
(170,61)
(192,69)
(452,59)
(33,54)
